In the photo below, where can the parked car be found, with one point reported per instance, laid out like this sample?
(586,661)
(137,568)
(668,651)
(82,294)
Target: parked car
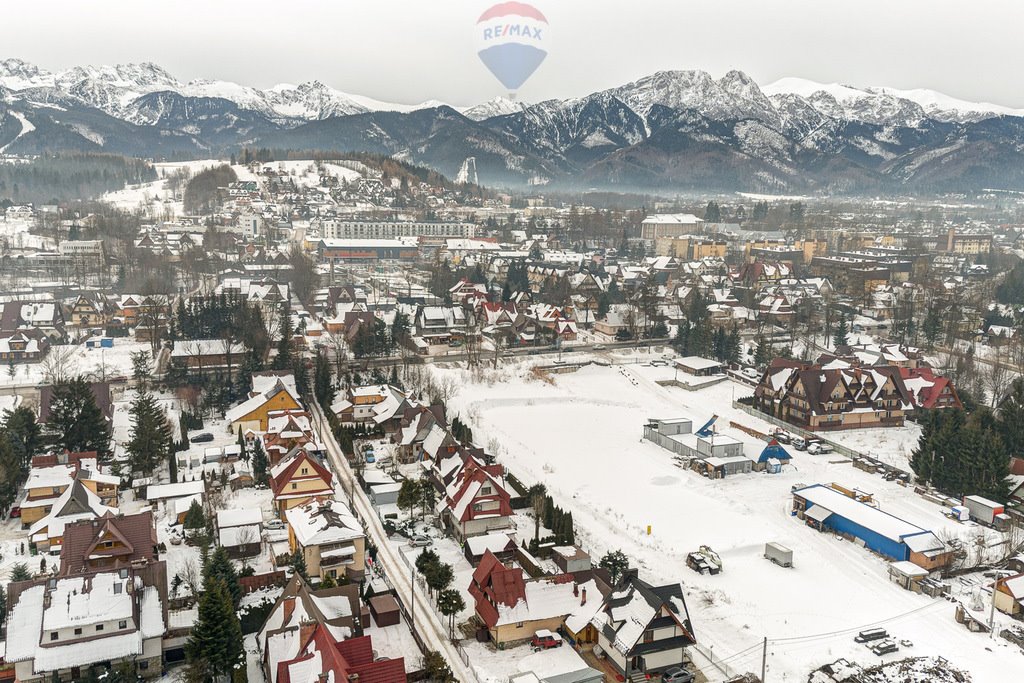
(677,674)
(274,525)
(782,437)
(385,460)
(598,347)
(751,373)
(419,541)
(545,639)
(799,443)
(205,437)
(15,512)
(819,448)
(885,647)
(369,457)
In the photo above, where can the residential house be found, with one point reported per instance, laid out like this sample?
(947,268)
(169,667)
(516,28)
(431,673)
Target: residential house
(338,608)
(476,501)
(930,391)
(43,488)
(644,629)
(298,478)
(207,355)
(1009,595)
(330,538)
(23,346)
(817,397)
(271,394)
(287,430)
(513,609)
(89,311)
(75,504)
(109,542)
(71,624)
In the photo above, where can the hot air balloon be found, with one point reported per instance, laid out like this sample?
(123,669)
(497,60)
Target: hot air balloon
(511,37)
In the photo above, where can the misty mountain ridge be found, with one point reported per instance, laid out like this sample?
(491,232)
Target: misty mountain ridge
(671,130)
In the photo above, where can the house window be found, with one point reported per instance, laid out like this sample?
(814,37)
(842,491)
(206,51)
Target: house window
(294,486)
(78,631)
(648,636)
(305,470)
(486,490)
(53,635)
(122,624)
(519,624)
(99,627)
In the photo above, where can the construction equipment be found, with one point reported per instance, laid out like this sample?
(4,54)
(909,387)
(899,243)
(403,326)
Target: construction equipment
(704,561)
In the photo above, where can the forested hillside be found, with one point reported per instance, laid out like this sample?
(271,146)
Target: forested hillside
(70,175)
(201,191)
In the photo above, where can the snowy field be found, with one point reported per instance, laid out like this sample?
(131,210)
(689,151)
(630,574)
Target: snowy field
(892,446)
(580,434)
(95,364)
(154,199)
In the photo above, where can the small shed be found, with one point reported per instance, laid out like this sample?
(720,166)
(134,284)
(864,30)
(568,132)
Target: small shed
(385,494)
(907,574)
(700,367)
(499,543)
(718,468)
(571,559)
(384,609)
(772,458)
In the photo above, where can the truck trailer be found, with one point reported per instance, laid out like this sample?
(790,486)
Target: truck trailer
(779,554)
(983,510)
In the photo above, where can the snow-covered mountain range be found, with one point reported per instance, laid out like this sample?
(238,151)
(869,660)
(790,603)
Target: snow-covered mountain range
(681,129)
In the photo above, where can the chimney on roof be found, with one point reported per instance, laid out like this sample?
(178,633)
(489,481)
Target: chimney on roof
(583,600)
(306,629)
(289,608)
(575,589)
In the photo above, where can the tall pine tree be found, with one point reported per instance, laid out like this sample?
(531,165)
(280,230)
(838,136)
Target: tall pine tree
(76,423)
(152,437)
(215,644)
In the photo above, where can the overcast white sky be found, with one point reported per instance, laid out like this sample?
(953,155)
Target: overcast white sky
(414,50)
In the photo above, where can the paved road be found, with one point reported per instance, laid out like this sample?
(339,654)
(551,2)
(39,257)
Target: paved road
(434,633)
(487,357)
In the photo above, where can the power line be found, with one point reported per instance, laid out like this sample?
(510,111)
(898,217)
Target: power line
(818,636)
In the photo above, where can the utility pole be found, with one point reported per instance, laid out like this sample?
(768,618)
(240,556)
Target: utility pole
(764,658)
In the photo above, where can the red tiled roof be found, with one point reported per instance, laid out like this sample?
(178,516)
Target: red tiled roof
(278,483)
(495,584)
(344,658)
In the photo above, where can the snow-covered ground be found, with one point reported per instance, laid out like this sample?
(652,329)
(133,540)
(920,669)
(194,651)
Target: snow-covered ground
(77,360)
(15,231)
(892,446)
(580,433)
(154,198)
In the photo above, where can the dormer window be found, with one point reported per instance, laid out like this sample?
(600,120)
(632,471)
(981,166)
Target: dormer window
(53,635)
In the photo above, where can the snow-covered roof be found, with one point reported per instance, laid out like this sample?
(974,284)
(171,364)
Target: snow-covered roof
(495,542)
(324,522)
(50,477)
(73,604)
(239,517)
(179,490)
(882,523)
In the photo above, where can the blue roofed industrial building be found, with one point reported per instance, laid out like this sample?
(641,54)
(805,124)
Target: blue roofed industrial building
(824,507)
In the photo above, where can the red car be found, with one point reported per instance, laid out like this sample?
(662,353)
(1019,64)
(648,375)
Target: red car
(15,512)
(544,639)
